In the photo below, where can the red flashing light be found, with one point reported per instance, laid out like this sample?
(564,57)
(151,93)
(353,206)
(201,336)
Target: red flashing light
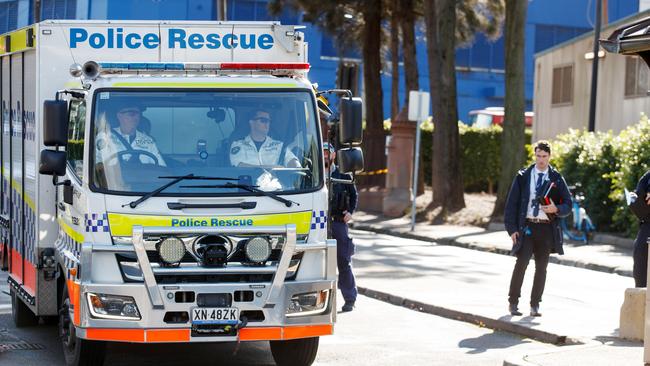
(263,66)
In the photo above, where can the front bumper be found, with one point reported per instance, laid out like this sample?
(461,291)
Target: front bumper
(155,300)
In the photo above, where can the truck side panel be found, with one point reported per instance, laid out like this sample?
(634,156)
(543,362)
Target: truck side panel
(6,159)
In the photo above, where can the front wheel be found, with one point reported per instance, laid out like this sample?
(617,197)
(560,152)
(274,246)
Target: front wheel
(77,352)
(296,352)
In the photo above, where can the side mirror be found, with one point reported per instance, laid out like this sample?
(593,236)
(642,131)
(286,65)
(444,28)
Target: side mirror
(350,160)
(52,162)
(350,126)
(55,123)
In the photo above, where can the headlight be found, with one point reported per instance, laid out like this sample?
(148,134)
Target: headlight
(171,250)
(311,303)
(113,307)
(258,249)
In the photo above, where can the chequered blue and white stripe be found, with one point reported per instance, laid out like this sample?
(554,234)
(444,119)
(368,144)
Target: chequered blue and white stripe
(70,251)
(318,219)
(96,223)
(29,221)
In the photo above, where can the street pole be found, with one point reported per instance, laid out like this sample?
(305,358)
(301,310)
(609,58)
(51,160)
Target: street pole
(418,101)
(416,169)
(221,9)
(594,68)
(37,11)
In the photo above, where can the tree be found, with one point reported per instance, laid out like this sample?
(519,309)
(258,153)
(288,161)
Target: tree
(513,138)
(461,19)
(363,28)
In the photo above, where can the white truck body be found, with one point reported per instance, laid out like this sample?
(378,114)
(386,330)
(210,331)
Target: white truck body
(100,244)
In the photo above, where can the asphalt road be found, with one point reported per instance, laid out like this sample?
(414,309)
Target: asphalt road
(375,334)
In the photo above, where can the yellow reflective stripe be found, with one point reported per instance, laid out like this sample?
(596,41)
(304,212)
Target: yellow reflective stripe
(122,224)
(206,85)
(18,40)
(78,237)
(72,84)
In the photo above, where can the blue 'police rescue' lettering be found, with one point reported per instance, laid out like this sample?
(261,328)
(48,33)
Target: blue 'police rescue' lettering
(177,38)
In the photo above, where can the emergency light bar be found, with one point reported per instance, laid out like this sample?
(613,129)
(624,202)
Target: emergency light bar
(229,66)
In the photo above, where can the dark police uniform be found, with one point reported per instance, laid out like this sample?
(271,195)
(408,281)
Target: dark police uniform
(344,197)
(640,269)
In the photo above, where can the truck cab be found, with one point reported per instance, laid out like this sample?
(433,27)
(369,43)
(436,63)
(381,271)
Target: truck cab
(188,196)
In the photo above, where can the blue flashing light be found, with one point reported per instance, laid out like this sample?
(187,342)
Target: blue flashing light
(142,66)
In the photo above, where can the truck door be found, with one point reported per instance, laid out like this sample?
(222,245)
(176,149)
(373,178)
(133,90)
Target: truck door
(71,203)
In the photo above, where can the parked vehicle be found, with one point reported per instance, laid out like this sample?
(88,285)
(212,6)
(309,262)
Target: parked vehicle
(489,116)
(161,238)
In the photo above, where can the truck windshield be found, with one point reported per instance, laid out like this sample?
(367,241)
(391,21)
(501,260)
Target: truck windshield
(266,140)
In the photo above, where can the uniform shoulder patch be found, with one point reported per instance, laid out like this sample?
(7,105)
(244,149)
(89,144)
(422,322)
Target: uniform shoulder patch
(235,150)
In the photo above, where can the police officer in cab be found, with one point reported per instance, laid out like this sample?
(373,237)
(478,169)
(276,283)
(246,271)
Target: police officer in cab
(127,137)
(343,202)
(257,148)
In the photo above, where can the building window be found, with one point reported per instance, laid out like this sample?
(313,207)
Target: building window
(257,10)
(8,16)
(562,85)
(637,81)
(58,9)
(547,36)
(482,55)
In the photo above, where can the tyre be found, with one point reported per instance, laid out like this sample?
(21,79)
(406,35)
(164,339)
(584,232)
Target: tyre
(21,313)
(296,352)
(77,352)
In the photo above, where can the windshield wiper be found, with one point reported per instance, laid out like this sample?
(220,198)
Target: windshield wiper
(250,188)
(175,179)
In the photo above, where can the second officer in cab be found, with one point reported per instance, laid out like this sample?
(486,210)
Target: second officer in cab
(257,148)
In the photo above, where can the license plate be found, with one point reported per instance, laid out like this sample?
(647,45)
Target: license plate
(215,316)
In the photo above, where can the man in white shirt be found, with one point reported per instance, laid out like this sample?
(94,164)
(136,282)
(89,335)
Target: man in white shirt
(258,149)
(126,137)
(532,226)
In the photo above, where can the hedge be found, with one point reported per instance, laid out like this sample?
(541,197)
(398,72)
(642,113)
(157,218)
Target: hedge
(480,154)
(605,164)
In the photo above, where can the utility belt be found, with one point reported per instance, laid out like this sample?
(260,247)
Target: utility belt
(338,217)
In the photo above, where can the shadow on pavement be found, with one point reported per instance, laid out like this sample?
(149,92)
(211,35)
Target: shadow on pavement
(494,340)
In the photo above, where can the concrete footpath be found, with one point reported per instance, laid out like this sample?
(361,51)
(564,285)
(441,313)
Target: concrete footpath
(437,274)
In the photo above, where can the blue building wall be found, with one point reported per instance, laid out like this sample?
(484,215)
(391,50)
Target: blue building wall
(480,65)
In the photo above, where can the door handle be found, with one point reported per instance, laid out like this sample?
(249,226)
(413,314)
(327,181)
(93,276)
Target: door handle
(61,206)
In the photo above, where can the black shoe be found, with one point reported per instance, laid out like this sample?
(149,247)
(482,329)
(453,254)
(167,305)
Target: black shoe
(534,311)
(348,306)
(513,310)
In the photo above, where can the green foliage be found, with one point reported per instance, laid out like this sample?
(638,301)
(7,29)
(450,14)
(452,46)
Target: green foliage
(480,154)
(633,152)
(605,164)
(588,159)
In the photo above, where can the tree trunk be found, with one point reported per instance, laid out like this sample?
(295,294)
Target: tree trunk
(447,173)
(433,61)
(407,20)
(394,60)
(374,137)
(513,138)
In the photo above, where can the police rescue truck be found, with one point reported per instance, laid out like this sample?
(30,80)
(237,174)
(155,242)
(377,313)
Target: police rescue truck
(180,194)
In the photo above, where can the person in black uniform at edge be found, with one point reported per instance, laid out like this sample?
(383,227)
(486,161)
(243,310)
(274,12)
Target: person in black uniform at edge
(640,269)
(533,227)
(343,202)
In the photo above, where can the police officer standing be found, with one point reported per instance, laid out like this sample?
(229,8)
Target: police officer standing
(640,269)
(126,137)
(343,202)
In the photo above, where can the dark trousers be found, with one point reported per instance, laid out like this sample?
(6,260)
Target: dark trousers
(640,269)
(344,252)
(538,242)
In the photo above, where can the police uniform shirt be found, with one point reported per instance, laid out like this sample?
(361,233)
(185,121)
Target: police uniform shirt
(245,151)
(108,146)
(534,175)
